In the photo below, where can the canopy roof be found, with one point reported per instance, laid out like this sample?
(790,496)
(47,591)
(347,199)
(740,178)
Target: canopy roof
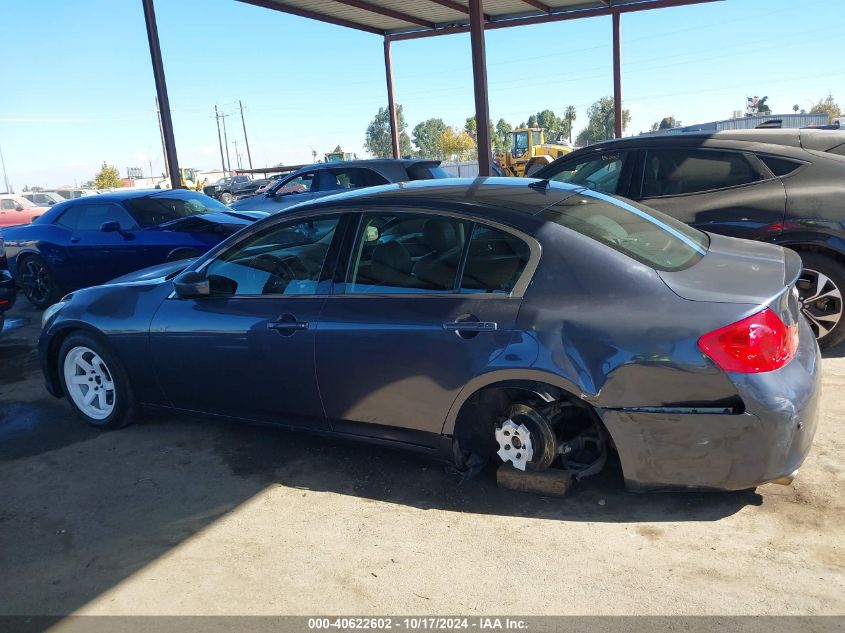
(404,19)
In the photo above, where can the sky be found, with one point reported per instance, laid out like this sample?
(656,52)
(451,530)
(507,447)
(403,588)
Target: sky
(79,90)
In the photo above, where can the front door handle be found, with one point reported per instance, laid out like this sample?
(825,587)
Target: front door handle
(287,325)
(471,326)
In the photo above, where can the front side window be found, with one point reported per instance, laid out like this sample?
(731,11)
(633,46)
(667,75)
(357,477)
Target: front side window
(285,259)
(91,217)
(674,172)
(157,210)
(600,173)
(406,253)
(646,235)
(520,144)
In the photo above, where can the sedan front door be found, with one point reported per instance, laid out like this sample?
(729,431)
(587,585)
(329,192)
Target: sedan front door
(247,350)
(404,331)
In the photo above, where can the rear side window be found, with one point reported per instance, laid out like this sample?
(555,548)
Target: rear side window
(494,262)
(780,166)
(69,218)
(674,172)
(343,179)
(426,172)
(646,235)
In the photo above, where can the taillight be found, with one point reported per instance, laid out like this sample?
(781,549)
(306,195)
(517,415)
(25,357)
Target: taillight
(759,343)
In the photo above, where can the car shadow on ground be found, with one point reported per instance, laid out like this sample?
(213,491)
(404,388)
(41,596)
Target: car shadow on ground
(81,510)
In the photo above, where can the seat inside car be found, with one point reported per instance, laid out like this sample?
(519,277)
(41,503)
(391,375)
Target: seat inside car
(445,238)
(324,180)
(391,265)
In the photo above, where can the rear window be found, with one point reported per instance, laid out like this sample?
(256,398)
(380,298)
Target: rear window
(780,166)
(426,172)
(643,234)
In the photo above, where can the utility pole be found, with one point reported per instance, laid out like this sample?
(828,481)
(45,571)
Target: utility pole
(226,143)
(237,155)
(3,162)
(163,145)
(219,140)
(246,139)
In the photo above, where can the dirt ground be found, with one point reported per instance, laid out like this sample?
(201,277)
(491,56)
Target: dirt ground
(198,516)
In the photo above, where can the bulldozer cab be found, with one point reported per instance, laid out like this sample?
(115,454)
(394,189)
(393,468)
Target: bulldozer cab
(522,140)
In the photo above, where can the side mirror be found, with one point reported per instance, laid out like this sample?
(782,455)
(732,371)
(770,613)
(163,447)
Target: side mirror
(112,226)
(191,285)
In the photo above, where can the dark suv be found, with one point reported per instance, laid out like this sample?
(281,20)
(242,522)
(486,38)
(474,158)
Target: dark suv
(224,189)
(780,186)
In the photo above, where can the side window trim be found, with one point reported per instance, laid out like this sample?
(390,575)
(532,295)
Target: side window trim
(347,253)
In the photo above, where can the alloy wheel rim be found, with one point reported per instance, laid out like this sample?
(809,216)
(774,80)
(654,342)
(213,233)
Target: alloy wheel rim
(89,383)
(820,300)
(34,280)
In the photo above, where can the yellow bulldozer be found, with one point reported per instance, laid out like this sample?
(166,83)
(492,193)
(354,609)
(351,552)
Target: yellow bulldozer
(528,151)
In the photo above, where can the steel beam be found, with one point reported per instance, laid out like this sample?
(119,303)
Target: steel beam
(390,13)
(539,5)
(617,77)
(161,91)
(391,101)
(479,81)
(502,23)
(313,15)
(451,4)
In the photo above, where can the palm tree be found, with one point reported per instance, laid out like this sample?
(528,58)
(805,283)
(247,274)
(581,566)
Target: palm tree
(569,115)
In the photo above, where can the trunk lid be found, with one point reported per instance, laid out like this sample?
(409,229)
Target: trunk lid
(736,271)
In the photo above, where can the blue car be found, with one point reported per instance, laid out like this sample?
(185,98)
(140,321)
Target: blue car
(88,241)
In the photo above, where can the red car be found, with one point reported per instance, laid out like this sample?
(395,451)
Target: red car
(16,210)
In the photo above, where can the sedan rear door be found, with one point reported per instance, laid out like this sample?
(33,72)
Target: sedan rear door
(404,330)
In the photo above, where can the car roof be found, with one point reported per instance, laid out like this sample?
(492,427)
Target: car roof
(128,194)
(806,138)
(525,195)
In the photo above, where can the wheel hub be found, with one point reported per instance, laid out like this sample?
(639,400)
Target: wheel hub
(515,444)
(820,301)
(89,383)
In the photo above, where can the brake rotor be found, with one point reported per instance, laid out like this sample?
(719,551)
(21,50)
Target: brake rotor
(526,439)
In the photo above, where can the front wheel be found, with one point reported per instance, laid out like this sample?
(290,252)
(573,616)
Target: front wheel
(37,282)
(95,383)
(226,197)
(820,288)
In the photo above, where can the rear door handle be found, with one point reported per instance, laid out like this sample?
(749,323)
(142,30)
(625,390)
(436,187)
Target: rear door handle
(471,326)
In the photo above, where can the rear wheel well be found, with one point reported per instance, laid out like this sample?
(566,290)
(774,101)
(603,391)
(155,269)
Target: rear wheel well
(488,407)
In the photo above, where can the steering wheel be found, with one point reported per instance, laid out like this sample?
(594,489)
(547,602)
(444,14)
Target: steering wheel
(282,271)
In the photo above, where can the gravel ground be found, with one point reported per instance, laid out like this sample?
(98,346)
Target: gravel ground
(199,516)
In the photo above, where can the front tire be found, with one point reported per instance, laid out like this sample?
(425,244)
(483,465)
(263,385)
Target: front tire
(37,282)
(95,383)
(820,290)
(226,197)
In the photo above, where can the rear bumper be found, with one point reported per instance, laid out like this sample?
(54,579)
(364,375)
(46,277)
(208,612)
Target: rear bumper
(768,441)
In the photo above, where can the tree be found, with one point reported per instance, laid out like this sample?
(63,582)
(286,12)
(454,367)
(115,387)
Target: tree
(601,119)
(569,117)
(427,138)
(666,123)
(378,142)
(762,108)
(456,144)
(827,106)
(796,107)
(108,178)
(500,136)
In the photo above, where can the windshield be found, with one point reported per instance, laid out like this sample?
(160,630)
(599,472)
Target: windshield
(24,202)
(160,209)
(646,235)
(520,143)
(223,181)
